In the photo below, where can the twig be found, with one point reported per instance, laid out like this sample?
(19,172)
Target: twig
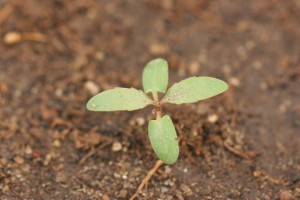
(93,151)
(89,154)
(15,192)
(157,165)
(245,155)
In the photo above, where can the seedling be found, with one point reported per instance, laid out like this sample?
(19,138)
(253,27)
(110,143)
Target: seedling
(162,133)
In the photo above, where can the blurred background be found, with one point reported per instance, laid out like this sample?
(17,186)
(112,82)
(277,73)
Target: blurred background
(56,54)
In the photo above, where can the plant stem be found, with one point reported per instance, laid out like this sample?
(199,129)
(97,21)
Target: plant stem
(157,105)
(147,178)
(155,96)
(158,114)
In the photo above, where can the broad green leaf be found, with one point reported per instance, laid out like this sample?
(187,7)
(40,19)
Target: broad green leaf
(155,76)
(163,139)
(119,99)
(194,89)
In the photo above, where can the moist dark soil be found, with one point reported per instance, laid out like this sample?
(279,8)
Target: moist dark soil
(56,54)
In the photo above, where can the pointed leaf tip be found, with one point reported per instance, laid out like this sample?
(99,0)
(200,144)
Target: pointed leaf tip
(194,89)
(119,99)
(155,76)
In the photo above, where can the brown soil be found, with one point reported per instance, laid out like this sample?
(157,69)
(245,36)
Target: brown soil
(243,144)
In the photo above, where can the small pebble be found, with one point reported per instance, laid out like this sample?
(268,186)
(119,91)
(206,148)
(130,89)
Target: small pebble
(116,175)
(99,55)
(179,195)
(28,150)
(123,193)
(47,159)
(59,92)
(213,118)
(167,169)
(92,87)
(286,195)
(234,81)
(61,177)
(263,86)
(158,49)
(5,188)
(56,143)
(257,173)
(105,197)
(116,146)
(194,68)
(186,190)
(11,38)
(140,121)
(19,160)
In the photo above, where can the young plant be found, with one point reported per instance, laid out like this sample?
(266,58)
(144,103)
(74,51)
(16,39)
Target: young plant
(162,133)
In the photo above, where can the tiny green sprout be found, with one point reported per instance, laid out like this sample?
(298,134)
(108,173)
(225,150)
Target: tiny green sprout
(162,133)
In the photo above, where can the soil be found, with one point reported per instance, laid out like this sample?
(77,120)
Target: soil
(55,55)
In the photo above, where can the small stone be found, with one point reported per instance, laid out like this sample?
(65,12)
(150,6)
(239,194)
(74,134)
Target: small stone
(5,188)
(234,81)
(123,194)
(168,182)
(263,86)
(194,68)
(19,160)
(179,195)
(2,175)
(3,88)
(116,146)
(11,38)
(56,143)
(186,190)
(61,177)
(286,195)
(47,113)
(185,170)
(59,92)
(168,169)
(116,175)
(90,192)
(140,121)
(213,118)
(99,55)
(3,162)
(282,108)
(28,150)
(158,49)
(47,159)
(92,87)
(105,197)
(257,173)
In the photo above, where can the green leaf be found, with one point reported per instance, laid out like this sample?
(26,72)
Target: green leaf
(119,99)
(155,76)
(194,89)
(163,139)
